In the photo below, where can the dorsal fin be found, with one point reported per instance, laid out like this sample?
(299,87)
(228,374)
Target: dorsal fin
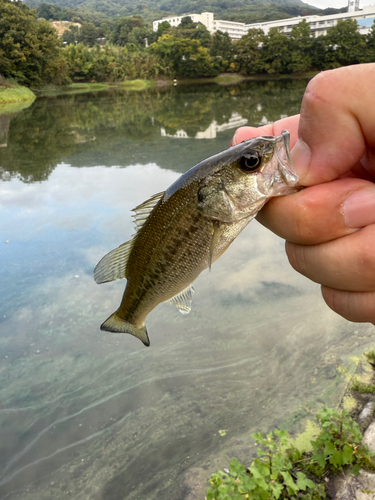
(143,211)
(183,300)
(113,265)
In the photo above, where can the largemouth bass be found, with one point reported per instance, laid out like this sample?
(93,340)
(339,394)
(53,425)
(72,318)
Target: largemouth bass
(182,231)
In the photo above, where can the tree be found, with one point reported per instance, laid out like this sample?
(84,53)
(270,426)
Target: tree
(202,34)
(68,37)
(161,28)
(343,44)
(48,11)
(183,57)
(29,49)
(301,47)
(187,23)
(222,49)
(275,52)
(88,34)
(248,52)
(138,36)
(123,28)
(71,35)
(369,54)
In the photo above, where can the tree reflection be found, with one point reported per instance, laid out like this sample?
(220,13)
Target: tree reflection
(114,127)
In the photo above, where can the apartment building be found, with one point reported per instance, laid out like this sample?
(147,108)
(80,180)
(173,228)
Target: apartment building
(318,24)
(234,30)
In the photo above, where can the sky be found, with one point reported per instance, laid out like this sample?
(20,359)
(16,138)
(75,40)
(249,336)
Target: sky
(337,4)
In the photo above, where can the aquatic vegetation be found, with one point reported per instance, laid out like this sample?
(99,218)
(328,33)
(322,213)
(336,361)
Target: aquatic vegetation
(283,471)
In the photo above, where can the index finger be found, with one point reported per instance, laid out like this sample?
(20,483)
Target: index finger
(290,123)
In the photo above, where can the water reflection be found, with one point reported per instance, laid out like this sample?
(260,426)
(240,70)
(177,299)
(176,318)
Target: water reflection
(114,128)
(212,130)
(99,416)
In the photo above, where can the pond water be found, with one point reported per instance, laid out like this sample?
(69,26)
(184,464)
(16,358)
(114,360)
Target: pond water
(93,415)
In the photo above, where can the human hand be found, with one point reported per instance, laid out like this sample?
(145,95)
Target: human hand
(329,227)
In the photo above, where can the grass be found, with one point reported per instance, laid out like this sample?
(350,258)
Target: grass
(228,78)
(12,93)
(137,84)
(233,78)
(81,87)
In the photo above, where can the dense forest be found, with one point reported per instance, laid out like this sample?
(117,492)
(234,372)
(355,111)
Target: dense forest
(248,11)
(132,50)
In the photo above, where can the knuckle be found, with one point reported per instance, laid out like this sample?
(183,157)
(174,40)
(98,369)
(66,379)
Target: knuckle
(297,257)
(365,261)
(319,87)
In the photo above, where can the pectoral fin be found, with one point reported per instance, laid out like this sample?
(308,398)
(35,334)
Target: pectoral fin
(183,300)
(113,265)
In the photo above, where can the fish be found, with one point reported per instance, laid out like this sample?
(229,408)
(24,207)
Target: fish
(182,231)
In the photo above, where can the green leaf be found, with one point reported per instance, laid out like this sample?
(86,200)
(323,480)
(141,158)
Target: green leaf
(347,455)
(276,490)
(336,458)
(329,449)
(303,482)
(259,470)
(258,436)
(236,467)
(281,461)
(319,457)
(289,482)
(355,470)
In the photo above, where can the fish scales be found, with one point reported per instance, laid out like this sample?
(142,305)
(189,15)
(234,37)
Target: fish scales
(184,230)
(158,267)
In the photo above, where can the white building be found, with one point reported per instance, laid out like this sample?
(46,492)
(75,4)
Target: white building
(353,5)
(320,24)
(234,30)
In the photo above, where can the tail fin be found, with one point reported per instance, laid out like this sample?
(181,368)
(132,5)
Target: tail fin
(117,325)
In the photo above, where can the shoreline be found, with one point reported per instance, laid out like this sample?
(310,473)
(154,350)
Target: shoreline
(12,93)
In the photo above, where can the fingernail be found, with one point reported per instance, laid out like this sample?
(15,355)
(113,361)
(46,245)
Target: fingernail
(301,156)
(234,140)
(359,208)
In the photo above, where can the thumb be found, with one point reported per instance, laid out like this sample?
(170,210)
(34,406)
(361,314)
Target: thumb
(336,123)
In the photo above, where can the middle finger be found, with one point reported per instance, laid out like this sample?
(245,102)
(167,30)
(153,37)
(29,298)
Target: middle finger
(321,213)
(346,263)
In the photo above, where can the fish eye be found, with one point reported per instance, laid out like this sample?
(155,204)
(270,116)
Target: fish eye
(250,162)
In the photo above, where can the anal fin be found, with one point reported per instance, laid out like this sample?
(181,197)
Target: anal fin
(183,300)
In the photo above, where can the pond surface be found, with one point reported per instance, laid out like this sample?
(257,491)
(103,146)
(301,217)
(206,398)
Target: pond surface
(93,415)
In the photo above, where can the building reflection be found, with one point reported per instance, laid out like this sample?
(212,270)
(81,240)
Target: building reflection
(211,131)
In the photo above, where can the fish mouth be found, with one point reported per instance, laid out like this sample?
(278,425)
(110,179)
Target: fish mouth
(286,167)
(279,177)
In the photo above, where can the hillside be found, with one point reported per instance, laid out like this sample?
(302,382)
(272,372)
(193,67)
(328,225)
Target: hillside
(236,10)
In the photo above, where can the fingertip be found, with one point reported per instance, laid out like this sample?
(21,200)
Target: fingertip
(358,307)
(301,156)
(244,133)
